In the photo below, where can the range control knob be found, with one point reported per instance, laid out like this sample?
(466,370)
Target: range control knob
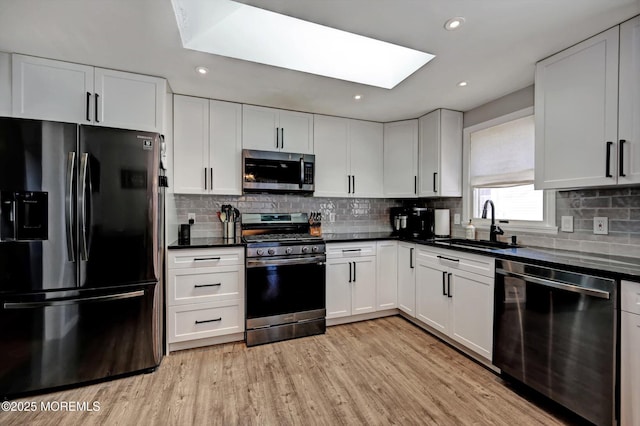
(260,252)
(315,249)
(288,250)
(305,249)
(271,251)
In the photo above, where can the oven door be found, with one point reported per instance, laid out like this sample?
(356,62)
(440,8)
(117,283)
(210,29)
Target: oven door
(282,291)
(277,171)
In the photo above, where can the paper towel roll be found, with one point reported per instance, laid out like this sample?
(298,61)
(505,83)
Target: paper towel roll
(442,223)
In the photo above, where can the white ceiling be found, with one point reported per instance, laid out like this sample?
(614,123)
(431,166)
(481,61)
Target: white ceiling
(495,50)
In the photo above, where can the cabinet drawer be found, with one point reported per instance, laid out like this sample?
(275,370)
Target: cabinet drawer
(477,264)
(630,297)
(202,320)
(203,258)
(338,250)
(200,285)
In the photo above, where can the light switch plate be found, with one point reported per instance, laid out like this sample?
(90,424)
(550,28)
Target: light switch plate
(601,225)
(456,219)
(567,224)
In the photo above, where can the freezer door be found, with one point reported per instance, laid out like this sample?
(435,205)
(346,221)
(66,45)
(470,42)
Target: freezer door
(68,338)
(118,206)
(38,182)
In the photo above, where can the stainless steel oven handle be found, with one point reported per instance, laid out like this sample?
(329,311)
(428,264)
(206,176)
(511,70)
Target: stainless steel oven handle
(258,263)
(556,284)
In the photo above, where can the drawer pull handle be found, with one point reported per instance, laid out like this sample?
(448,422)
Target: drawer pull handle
(211,320)
(348,250)
(207,285)
(448,258)
(203,259)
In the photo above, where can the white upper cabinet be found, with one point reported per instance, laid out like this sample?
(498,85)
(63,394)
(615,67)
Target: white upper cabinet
(129,101)
(401,159)
(207,146)
(440,154)
(576,98)
(5,84)
(45,89)
(629,98)
(270,129)
(348,157)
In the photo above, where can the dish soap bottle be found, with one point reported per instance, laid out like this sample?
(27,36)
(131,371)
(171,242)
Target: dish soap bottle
(470,231)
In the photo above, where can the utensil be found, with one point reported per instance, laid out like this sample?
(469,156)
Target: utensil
(223,216)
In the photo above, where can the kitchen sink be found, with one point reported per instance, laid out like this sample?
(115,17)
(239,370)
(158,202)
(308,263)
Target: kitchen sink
(479,243)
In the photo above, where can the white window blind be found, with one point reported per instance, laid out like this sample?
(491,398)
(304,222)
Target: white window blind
(503,155)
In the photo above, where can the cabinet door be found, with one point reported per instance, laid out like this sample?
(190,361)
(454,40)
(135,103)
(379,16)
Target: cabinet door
(387,275)
(296,132)
(330,135)
(191,145)
(407,278)
(5,84)
(576,98)
(629,110)
(225,147)
(432,300)
(259,128)
(401,159)
(366,152)
(338,288)
(363,285)
(472,311)
(429,152)
(52,90)
(440,154)
(129,101)
(629,369)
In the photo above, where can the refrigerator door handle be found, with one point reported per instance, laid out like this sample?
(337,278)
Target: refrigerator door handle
(84,165)
(73,301)
(70,216)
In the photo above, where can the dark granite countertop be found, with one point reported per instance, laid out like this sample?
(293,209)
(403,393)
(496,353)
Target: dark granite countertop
(358,236)
(590,263)
(207,243)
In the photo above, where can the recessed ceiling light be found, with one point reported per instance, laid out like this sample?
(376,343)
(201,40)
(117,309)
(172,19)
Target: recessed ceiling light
(462,84)
(202,70)
(357,97)
(237,30)
(454,23)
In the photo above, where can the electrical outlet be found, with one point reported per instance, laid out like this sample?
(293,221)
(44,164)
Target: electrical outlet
(601,225)
(567,224)
(191,216)
(332,217)
(456,219)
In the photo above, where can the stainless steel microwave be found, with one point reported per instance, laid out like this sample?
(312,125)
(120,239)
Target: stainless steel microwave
(277,172)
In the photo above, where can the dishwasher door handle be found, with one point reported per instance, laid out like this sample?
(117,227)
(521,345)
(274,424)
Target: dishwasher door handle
(556,284)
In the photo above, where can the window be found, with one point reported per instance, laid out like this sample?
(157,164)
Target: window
(499,166)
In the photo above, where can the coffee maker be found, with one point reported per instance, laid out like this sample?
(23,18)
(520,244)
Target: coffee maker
(421,223)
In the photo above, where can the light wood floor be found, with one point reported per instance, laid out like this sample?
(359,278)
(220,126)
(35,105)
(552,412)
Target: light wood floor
(379,372)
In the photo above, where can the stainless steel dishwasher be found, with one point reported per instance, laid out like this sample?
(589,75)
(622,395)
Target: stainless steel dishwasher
(555,331)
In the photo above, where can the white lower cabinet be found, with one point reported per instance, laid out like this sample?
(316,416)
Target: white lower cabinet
(205,296)
(351,286)
(407,278)
(454,296)
(629,350)
(387,276)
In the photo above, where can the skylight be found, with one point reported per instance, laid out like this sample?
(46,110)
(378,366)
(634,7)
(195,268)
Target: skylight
(236,30)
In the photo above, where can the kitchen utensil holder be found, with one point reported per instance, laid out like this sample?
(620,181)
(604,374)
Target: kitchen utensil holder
(229,230)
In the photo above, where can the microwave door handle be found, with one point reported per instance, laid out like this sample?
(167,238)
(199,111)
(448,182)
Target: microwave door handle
(301,172)
(69,213)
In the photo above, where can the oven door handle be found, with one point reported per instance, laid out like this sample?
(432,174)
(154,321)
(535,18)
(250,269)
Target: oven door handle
(556,284)
(260,263)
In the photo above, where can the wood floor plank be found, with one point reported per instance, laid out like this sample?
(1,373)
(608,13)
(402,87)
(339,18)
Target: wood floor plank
(380,372)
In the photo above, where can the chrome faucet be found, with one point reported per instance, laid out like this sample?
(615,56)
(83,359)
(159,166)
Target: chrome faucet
(494,231)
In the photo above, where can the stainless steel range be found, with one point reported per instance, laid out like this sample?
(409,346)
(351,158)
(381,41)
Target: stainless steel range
(285,278)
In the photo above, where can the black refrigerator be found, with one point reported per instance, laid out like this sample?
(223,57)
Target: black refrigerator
(81,254)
